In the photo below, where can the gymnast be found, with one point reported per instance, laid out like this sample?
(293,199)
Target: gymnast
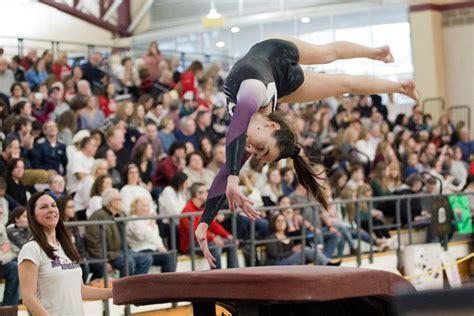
(268,73)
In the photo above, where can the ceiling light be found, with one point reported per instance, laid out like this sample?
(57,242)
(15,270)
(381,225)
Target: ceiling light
(305,20)
(235,29)
(213,14)
(220,44)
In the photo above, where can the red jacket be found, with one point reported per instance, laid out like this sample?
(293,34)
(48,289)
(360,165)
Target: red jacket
(215,229)
(189,83)
(58,71)
(164,172)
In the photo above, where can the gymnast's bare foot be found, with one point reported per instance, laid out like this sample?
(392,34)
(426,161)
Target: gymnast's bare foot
(384,54)
(409,89)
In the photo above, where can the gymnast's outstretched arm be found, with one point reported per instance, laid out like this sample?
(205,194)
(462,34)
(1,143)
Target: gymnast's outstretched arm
(236,156)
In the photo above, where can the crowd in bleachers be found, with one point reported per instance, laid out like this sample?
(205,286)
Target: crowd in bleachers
(146,136)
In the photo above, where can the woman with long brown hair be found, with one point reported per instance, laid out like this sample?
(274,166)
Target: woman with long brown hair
(49,272)
(268,73)
(152,58)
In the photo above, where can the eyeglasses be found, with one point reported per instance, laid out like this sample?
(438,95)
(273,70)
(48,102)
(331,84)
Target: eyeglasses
(204,191)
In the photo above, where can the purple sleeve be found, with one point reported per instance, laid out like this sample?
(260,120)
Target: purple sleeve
(236,156)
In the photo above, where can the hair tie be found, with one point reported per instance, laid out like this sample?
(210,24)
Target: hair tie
(296,152)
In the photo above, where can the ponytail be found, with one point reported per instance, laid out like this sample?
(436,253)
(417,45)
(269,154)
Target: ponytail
(308,178)
(305,173)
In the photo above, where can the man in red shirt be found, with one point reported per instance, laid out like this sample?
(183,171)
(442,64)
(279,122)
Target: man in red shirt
(167,167)
(217,236)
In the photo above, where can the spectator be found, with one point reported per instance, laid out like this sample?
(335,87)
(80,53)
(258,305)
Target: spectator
(273,189)
(101,183)
(92,73)
(143,158)
(205,149)
(61,69)
(56,185)
(81,163)
(137,263)
(458,167)
(11,150)
(151,137)
(338,182)
(41,109)
(29,59)
(365,191)
(17,94)
(357,177)
(413,166)
(203,125)
(17,229)
(37,74)
(394,180)
(218,158)
(15,189)
(287,180)
(189,79)
(151,58)
(128,76)
(133,187)
(220,121)
(195,170)
(283,251)
(6,77)
(173,198)
(17,69)
(166,133)
(9,269)
(115,139)
(4,204)
(67,127)
(466,145)
(107,102)
(51,259)
(93,116)
(187,132)
(83,192)
(217,235)
(48,153)
(167,167)
(143,236)
(56,94)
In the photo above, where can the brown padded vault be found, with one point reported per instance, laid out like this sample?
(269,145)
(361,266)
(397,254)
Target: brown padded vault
(278,284)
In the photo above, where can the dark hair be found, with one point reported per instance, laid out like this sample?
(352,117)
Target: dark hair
(177,181)
(194,188)
(18,107)
(175,146)
(38,234)
(126,169)
(195,66)
(16,213)
(144,98)
(124,60)
(140,152)
(12,165)
(16,84)
(78,103)
(96,189)
(84,142)
(305,173)
(272,226)
(3,183)
(194,153)
(61,203)
(20,122)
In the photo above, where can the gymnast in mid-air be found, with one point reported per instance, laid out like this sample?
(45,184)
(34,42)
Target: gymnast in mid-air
(269,73)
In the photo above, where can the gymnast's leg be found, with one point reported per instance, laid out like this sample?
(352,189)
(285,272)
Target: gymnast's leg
(317,86)
(325,54)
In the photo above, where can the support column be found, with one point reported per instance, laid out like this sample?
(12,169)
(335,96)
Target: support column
(428,50)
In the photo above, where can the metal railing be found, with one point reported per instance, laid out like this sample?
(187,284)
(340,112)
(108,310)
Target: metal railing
(253,243)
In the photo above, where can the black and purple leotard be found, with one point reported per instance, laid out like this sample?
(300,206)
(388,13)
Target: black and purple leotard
(269,70)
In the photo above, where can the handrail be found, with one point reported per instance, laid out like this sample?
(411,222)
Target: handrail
(253,242)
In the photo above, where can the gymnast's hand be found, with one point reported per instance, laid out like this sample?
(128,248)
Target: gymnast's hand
(201,237)
(237,198)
